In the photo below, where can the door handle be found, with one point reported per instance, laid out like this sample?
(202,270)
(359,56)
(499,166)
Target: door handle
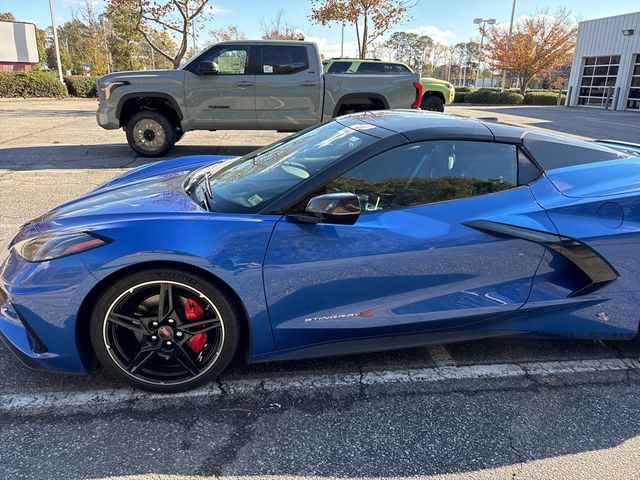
(308,84)
(244,84)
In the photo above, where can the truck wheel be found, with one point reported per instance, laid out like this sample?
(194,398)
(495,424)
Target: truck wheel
(432,103)
(150,134)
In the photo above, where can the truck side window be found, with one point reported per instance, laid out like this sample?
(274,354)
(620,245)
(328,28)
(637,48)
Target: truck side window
(370,67)
(394,68)
(339,67)
(284,60)
(231,59)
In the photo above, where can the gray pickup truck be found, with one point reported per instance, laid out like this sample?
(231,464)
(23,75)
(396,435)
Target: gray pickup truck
(241,85)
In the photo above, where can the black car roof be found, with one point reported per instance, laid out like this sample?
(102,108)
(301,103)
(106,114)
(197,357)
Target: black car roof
(418,125)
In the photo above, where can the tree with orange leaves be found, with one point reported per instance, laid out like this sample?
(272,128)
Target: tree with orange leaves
(537,44)
(372,18)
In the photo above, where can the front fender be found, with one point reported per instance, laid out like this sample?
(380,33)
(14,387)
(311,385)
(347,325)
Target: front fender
(229,247)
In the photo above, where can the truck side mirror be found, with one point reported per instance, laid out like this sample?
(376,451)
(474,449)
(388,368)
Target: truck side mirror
(208,68)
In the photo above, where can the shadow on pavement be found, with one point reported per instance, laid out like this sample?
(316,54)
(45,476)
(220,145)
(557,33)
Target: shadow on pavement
(101,156)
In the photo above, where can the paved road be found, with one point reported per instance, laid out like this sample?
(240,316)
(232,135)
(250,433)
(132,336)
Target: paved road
(499,408)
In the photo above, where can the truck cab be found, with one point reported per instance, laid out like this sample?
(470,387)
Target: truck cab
(241,85)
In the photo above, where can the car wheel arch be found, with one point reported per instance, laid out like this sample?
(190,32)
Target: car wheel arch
(83,316)
(367,98)
(165,104)
(433,93)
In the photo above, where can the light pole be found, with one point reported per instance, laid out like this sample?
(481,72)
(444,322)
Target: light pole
(342,42)
(484,22)
(504,72)
(55,39)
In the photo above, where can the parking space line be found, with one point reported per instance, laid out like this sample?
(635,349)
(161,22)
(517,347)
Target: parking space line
(110,399)
(441,356)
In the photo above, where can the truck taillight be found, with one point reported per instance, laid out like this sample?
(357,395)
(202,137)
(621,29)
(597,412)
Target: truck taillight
(418,101)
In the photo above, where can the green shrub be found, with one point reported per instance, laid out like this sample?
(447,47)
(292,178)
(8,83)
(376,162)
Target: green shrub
(542,98)
(81,86)
(463,89)
(494,97)
(460,96)
(31,84)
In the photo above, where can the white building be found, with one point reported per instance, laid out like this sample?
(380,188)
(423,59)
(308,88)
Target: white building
(606,64)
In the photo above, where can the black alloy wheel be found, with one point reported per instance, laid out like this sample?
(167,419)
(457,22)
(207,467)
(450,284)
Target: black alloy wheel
(164,330)
(150,134)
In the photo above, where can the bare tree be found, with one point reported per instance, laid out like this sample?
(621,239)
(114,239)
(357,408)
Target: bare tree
(232,32)
(278,29)
(175,17)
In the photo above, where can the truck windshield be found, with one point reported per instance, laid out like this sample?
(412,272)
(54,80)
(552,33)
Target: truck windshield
(248,183)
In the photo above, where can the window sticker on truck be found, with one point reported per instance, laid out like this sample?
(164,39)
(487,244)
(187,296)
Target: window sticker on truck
(267,68)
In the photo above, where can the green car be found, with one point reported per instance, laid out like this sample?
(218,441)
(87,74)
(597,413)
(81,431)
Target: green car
(435,93)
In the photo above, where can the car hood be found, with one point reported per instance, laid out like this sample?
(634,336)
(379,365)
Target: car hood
(434,81)
(156,189)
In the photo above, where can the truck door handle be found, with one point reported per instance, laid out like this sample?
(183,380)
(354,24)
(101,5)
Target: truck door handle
(244,84)
(308,84)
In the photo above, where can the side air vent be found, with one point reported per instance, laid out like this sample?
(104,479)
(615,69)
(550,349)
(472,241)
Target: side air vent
(598,272)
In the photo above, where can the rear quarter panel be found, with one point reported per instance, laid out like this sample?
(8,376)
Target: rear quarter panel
(397,90)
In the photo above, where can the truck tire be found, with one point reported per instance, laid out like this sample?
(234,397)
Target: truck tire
(150,134)
(432,103)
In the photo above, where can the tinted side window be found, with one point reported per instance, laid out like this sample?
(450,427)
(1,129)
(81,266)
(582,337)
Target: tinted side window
(428,172)
(394,68)
(231,59)
(371,67)
(552,152)
(284,59)
(339,67)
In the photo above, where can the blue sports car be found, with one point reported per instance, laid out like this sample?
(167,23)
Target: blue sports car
(374,231)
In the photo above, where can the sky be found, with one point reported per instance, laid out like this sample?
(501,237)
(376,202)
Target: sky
(447,21)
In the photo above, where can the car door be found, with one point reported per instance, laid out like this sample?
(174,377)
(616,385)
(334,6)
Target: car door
(224,100)
(412,263)
(288,89)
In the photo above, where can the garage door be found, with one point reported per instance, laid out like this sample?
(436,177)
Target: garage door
(598,74)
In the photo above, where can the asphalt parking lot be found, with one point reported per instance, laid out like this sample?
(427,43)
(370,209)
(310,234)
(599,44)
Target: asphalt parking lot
(501,408)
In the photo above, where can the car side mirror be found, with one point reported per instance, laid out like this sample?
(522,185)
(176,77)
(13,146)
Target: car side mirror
(208,68)
(335,208)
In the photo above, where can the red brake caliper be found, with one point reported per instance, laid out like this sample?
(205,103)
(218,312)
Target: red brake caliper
(194,310)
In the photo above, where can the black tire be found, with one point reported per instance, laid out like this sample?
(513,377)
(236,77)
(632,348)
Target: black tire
(432,103)
(146,348)
(179,135)
(150,134)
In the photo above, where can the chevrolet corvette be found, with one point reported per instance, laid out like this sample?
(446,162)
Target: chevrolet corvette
(378,230)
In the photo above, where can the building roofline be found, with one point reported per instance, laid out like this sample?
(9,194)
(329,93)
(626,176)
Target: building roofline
(612,16)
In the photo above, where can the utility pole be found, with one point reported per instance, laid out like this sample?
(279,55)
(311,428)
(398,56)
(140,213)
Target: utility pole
(484,22)
(55,39)
(504,72)
(342,42)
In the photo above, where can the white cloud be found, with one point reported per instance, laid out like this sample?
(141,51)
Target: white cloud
(215,10)
(436,34)
(81,3)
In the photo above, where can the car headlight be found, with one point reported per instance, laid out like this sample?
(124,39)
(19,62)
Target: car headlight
(51,246)
(109,87)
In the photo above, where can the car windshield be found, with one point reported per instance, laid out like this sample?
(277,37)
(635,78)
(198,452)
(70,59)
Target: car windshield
(247,184)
